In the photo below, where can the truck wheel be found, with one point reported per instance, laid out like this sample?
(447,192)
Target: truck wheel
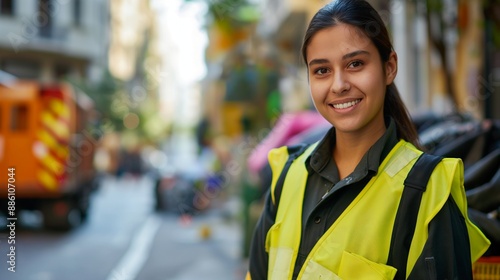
(61,215)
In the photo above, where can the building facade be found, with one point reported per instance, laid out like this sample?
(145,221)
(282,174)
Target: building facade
(47,40)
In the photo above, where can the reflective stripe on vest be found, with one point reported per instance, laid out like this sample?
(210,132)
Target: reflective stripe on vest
(357,245)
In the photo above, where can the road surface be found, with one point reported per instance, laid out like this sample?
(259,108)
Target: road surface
(124,239)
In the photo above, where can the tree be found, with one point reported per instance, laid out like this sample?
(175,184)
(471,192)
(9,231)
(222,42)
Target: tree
(235,11)
(103,94)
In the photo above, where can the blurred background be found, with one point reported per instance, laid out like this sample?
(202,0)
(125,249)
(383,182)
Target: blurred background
(134,133)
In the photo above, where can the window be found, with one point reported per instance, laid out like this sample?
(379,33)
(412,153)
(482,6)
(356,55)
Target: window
(61,71)
(19,118)
(21,68)
(45,10)
(6,7)
(77,12)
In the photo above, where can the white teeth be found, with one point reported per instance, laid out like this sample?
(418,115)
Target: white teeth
(346,105)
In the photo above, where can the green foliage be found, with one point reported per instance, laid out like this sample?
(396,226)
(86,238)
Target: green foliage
(493,20)
(434,6)
(103,94)
(234,11)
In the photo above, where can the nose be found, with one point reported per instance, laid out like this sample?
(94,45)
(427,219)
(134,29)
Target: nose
(339,83)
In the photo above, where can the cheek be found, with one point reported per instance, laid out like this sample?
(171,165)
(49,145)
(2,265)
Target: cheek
(316,97)
(373,84)
(316,89)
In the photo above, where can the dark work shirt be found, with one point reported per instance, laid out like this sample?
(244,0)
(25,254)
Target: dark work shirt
(326,197)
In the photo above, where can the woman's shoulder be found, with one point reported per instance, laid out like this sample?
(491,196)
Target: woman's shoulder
(449,162)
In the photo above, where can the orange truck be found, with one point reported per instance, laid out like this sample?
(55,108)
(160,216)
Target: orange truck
(46,152)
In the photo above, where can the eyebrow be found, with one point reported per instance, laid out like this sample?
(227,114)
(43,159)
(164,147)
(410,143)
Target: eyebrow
(354,53)
(344,57)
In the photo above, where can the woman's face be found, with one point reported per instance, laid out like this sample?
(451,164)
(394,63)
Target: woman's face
(347,79)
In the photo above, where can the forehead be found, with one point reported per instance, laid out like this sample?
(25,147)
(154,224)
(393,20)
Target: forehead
(337,41)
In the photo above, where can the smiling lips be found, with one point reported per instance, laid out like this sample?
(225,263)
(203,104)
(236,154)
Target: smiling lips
(346,104)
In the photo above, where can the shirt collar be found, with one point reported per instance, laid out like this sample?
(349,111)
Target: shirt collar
(322,155)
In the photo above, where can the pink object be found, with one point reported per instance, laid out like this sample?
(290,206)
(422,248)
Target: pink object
(287,126)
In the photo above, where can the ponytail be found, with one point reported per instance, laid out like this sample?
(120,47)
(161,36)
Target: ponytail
(395,108)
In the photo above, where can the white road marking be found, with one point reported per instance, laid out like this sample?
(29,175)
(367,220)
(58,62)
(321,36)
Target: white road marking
(132,262)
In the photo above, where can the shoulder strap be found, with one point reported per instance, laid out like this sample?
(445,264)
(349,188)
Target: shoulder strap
(415,185)
(293,153)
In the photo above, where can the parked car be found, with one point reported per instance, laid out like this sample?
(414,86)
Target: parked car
(181,190)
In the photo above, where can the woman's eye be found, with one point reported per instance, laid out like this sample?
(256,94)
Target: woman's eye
(321,71)
(356,63)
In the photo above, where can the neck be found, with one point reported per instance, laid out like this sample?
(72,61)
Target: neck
(352,146)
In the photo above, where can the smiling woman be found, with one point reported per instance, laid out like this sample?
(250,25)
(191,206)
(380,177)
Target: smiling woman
(348,81)
(364,202)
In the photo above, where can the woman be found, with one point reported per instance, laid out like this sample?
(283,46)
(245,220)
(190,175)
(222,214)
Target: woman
(336,213)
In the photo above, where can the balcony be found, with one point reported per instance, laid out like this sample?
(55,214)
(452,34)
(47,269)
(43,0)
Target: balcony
(23,36)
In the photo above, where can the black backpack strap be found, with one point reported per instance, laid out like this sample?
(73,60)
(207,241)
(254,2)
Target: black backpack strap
(415,185)
(293,153)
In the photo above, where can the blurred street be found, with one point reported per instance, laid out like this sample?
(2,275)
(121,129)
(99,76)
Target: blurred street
(151,122)
(125,239)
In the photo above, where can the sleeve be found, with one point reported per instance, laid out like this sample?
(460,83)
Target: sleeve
(446,254)
(258,259)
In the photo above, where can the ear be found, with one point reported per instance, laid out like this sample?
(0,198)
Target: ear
(391,68)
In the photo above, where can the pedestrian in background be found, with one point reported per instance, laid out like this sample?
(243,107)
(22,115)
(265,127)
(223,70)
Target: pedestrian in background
(341,208)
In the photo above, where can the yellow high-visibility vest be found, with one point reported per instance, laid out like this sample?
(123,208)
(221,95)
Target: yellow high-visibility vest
(357,245)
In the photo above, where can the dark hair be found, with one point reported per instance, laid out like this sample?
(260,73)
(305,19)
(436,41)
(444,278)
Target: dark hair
(363,16)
